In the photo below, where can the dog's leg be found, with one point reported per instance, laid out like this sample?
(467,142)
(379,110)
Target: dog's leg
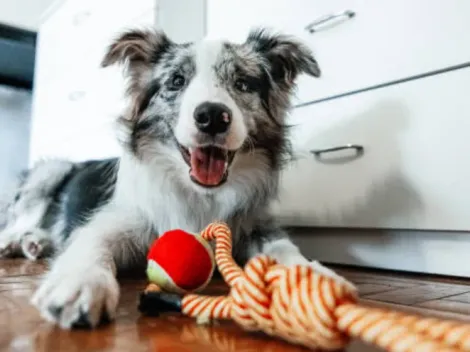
(12,235)
(278,245)
(287,253)
(21,225)
(32,243)
(82,288)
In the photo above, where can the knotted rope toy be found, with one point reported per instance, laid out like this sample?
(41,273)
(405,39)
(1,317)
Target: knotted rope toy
(304,307)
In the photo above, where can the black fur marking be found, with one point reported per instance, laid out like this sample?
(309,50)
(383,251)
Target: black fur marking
(265,95)
(276,147)
(143,103)
(139,130)
(83,321)
(56,311)
(89,188)
(255,83)
(264,43)
(163,47)
(288,57)
(54,209)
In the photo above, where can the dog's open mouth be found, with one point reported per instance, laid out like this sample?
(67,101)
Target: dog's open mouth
(208,165)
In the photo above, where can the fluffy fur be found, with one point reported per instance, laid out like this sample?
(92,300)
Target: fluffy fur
(100,216)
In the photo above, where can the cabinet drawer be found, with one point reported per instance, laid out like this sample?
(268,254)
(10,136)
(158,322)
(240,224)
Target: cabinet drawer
(75,17)
(98,95)
(76,35)
(413,173)
(385,41)
(77,92)
(75,118)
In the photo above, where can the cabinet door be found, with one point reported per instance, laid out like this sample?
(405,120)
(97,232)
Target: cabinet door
(414,171)
(74,38)
(69,111)
(384,41)
(76,97)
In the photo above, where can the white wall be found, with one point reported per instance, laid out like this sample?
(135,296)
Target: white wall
(23,13)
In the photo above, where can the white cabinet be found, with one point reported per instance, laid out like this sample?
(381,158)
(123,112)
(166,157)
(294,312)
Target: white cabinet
(390,75)
(384,41)
(395,78)
(75,100)
(414,172)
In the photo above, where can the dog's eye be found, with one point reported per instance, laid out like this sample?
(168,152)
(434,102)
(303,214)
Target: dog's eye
(242,85)
(177,82)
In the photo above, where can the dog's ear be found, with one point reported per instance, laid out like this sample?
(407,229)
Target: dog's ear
(287,56)
(136,48)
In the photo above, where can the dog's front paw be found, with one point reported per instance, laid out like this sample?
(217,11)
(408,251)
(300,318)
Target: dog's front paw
(36,244)
(77,299)
(330,273)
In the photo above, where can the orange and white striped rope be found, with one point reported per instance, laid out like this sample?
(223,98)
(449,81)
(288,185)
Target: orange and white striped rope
(308,308)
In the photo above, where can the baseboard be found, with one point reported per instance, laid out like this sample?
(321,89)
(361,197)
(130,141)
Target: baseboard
(442,253)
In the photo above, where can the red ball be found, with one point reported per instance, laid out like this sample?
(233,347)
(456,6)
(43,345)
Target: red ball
(181,262)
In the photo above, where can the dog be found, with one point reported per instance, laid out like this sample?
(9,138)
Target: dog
(204,138)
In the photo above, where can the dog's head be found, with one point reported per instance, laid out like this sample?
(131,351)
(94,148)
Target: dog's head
(213,101)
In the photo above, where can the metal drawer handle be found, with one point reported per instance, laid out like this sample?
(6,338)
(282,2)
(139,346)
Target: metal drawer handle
(358,148)
(329,18)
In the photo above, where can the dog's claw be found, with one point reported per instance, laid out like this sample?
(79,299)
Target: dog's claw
(83,321)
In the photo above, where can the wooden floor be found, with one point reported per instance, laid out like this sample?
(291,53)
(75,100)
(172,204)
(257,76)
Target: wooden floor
(21,329)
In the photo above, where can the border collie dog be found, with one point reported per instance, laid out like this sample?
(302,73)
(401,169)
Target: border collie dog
(204,139)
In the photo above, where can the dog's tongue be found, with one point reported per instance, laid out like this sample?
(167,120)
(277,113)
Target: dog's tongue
(208,165)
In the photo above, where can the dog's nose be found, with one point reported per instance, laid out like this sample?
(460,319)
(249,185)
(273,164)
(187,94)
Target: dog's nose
(212,118)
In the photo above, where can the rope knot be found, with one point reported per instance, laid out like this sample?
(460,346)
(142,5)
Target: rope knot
(312,309)
(291,302)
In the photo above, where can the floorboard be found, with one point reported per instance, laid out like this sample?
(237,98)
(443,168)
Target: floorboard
(21,328)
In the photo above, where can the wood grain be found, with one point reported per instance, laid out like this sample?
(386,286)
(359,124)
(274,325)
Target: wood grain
(21,328)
